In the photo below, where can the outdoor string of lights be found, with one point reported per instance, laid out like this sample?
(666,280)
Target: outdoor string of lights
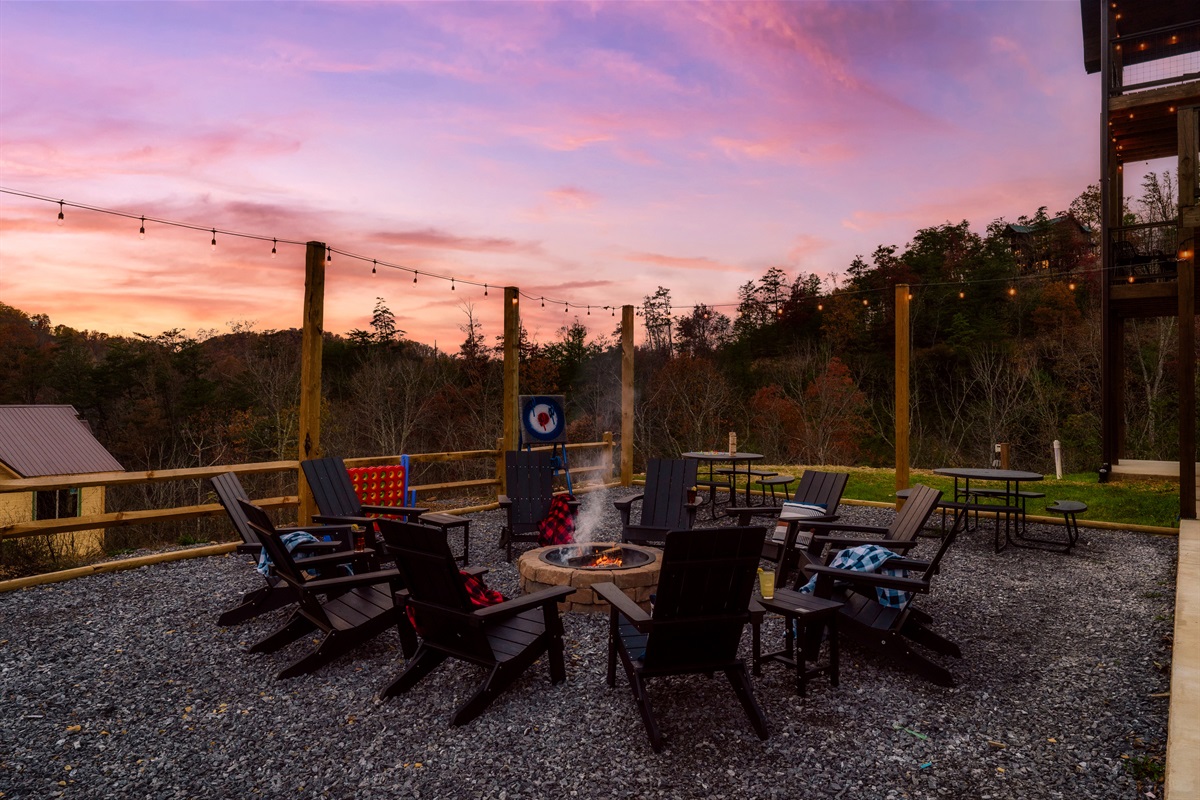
(567,305)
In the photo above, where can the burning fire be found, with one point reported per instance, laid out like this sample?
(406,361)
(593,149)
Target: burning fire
(607,558)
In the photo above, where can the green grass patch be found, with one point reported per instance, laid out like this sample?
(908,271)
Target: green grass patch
(1131,502)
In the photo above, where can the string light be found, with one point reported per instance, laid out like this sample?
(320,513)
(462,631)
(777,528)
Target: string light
(452,284)
(214,239)
(866,302)
(274,242)
(485,290)
(415,274)
(1071,286)
(1012,291)
(328,255)
(820,306)
(962,295)
(589,311)
(60,213)
(566,307)
(373,266)
(543,302)
(142,230)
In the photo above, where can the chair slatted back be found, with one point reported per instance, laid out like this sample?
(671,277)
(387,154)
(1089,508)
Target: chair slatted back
(281,559)
(665,497)
(229,491)
(911,518)
(435,587)
(331,487)
(821,489)
(703,596)
(530,487)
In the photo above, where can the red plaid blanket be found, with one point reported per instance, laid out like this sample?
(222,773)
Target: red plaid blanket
(477,591)
(559,525)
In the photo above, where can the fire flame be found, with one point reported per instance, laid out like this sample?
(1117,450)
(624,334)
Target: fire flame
(607,558)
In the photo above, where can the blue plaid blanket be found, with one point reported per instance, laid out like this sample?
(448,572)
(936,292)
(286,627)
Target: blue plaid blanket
(291,541)
(868,558)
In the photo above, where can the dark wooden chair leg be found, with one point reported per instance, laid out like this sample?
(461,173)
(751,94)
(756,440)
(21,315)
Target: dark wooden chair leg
(257,602)
(424,662)
(740,682)
(292,630)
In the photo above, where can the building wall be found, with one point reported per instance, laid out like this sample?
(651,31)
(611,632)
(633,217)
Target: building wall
(16,507)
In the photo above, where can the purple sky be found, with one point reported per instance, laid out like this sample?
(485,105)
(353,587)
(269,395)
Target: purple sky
(586,152)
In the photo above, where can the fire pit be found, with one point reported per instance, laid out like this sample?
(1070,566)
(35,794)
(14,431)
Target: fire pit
(633,568)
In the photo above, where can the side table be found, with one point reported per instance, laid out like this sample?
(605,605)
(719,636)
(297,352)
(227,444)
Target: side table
(448,521)
(808,613)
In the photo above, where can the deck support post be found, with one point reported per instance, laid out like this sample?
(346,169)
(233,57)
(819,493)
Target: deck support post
(626,395)
(311,343)
(1189,211)
(512,372)
(903,348)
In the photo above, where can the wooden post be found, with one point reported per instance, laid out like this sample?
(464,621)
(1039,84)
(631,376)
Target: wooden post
(1189,217)
(1002,452)
(903,346)
(609,448)
(512,371)
(626,395)
(310,371)
(501,472)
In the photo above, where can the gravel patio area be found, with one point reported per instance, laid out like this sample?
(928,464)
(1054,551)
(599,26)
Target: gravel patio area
(122,685)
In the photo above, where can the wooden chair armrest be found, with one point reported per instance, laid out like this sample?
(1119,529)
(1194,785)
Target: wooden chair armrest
(525,602)
(476,572)
(327,559)
(396,511)
(850,541)
(621,604)
(817,527)
(353,581)
(366,522)
(870,578)
(625,504)
(503,500)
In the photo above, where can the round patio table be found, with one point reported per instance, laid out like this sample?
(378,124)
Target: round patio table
(720,457)
(1013,478)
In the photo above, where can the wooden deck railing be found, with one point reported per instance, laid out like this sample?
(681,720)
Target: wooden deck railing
(17,530)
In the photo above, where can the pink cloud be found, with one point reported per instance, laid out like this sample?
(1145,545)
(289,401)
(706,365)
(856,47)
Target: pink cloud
(431,238)
(681,262)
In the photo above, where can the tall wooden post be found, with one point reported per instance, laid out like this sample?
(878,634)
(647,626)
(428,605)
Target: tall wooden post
(512,369)
(1189,227)
(310,370)
(903,345)
(626,395)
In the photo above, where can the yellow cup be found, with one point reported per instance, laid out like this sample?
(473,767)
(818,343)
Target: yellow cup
(766,583)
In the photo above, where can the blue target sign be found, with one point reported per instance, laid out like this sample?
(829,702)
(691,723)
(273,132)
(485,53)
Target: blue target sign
(543,419)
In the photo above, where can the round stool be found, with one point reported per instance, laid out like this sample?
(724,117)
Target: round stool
(1068,508)
(771,481)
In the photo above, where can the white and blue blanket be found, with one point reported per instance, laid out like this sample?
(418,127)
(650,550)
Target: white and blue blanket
(291,541)
(868,558)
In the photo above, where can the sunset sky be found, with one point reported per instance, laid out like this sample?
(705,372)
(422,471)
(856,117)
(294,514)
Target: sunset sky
(585,152)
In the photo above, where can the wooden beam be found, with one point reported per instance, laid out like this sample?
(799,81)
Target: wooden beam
(626,395)
(148,476)
(1189,157)
(117,566)
(512,376)
(311,342)
(903,348)
(1176,95)
(112,519)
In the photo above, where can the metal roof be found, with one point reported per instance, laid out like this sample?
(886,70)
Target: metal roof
(39,441)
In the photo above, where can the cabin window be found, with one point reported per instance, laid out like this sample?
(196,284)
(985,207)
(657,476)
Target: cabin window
(56,504)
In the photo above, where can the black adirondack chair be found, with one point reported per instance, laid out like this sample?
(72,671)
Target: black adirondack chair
(816,488)
(505,638)
(530,487)
(891,631)
(337,501)
(664,502)
(355,608)
(900,536)
(276,593)
(702,604)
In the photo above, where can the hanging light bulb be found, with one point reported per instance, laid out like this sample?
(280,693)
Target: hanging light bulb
(820,306)
(142,230)
(214,239)
(452,284)
(614,311)
(910,295)
(565,307)
(866,302)
(60,213)
(1131,279)
(1071,286)
(485,290)
(543,302)
(962,295)
(373,263)
(1012,291)
(589,311)
(273,243)
(415,274)
(328,255)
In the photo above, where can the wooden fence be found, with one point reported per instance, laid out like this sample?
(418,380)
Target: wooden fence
(600,474)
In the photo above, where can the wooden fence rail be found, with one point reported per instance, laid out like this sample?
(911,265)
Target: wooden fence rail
(20,530)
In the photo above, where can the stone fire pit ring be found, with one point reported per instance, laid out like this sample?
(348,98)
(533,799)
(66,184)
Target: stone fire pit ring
(638,582)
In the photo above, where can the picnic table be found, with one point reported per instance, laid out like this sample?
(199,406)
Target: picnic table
(714,457)
(1012,497)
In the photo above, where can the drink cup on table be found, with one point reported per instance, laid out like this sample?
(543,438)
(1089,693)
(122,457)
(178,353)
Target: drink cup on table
(766,583)
(360,538)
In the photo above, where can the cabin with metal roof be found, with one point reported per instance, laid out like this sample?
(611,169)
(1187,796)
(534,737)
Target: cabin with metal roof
(41,441)
(1148,55)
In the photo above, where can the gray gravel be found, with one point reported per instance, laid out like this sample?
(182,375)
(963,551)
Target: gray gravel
(122,685)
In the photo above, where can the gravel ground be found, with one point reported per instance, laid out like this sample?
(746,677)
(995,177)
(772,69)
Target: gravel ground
(121,685)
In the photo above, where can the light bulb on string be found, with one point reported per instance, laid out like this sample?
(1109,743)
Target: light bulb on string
(60,213)
(589,311)
(415,274)
(1071,286)
(328,255)
(566,306)
(274,242)
(373,264)
(1012,291)
(614,311)
(962,295)
(543,302)
(452,284)
(214,239)
(142,230)
(820,306)
(866,302)
(485,290)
